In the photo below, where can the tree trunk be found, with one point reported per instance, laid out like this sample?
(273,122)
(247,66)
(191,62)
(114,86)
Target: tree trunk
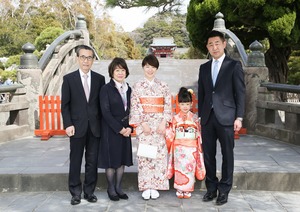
(277,63)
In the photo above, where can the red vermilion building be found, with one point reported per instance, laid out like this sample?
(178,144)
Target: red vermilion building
(163,47)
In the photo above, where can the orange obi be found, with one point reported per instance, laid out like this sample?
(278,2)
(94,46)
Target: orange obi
(152,104)
(183,142)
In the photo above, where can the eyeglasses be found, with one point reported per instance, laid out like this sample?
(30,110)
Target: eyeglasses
(83,58)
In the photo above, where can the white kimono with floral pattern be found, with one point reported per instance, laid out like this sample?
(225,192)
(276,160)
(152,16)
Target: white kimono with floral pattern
(152,173)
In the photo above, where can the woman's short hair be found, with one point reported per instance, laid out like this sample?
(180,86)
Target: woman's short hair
(151,60)
(117,62)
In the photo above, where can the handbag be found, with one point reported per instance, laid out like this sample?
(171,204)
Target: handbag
(146,150)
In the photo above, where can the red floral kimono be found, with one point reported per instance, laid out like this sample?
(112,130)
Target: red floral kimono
(185,156)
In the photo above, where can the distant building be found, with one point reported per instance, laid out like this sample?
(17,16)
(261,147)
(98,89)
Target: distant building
(163,47)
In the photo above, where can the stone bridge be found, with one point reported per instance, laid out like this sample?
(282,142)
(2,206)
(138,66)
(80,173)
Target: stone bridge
(19,111)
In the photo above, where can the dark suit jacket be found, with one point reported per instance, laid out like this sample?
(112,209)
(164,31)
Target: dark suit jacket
(112,107)
(115,149)
(74,106)
(227,97)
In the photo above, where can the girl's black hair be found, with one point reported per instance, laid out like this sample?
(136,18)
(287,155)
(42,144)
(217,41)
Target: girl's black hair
(184,95)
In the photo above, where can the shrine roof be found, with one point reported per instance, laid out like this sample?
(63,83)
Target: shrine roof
(163,41)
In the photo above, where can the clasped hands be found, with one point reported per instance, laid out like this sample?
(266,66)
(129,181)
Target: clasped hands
(125,131)
(161,129)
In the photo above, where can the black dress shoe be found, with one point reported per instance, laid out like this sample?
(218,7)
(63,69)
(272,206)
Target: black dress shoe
(90,198)
(222,199)
(209,196)
(75,200)
(122,196)
(113,197)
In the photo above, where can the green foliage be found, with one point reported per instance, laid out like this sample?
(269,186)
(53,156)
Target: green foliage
(294,78)
(194,53)
(280,29)
(110,43)
(276,21)
(2,67)
(12,38)
(250,20)
(164,25)
(12,74)
(294,65)
(22,21)
(164,5)
(13,60)
(47,36)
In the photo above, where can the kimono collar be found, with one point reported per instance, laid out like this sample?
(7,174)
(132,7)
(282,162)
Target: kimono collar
(150,82)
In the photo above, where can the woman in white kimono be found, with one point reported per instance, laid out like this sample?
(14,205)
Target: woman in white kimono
(150,112)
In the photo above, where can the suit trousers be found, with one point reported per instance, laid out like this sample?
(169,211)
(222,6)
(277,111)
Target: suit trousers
(90,144)
(210,132)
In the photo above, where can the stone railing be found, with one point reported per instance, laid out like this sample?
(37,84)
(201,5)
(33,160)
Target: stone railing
(60,57)
(275,119)
(235,48)
(13,112)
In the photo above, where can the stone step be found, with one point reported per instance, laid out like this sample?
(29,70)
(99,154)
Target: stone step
(12,132)
(32,182)
(30,164)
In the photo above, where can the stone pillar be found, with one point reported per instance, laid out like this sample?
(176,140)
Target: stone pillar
(30,75)
(256,72)
(256,57)
(81,25)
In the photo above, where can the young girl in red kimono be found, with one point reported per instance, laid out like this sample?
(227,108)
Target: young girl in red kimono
(185,156)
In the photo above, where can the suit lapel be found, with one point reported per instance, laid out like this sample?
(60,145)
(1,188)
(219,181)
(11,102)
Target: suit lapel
(93,84)
(209,77)
(128,98)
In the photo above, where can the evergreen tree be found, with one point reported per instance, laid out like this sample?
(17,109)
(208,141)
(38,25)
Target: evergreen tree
(277,21)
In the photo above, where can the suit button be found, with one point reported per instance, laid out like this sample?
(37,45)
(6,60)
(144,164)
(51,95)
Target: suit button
(213,92)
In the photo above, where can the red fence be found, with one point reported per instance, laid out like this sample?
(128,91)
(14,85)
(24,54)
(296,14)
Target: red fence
(50,116)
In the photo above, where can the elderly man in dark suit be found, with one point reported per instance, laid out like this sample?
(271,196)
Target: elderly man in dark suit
(81,114)
(221,103)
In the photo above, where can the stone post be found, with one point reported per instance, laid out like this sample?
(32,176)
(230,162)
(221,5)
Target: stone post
(81,25)
(256,72)
(30,75)
(256,57)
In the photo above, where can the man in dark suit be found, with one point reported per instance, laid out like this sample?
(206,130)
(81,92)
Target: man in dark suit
(221,103)
(80,105)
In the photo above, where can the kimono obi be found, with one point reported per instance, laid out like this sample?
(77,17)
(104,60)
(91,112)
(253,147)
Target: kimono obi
(152,104)
(189,143)
(185,135)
